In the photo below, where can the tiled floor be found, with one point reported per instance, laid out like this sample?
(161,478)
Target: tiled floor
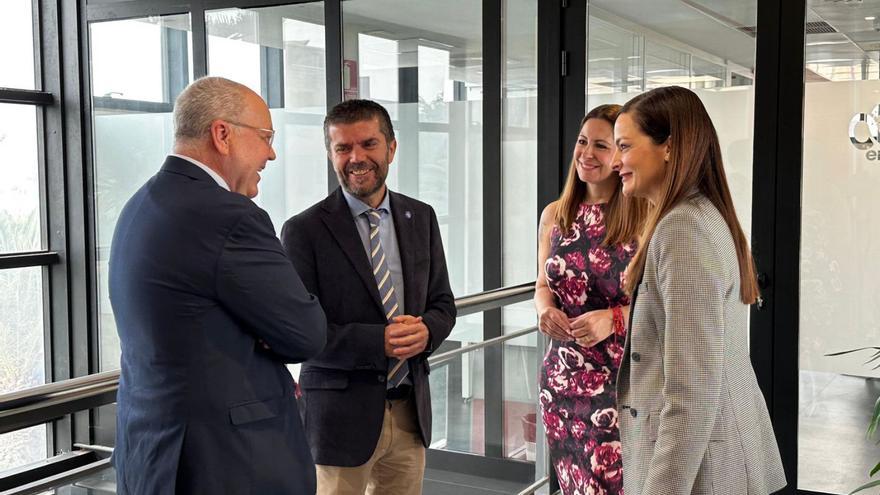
(834,456)
(445,483)
(436,483)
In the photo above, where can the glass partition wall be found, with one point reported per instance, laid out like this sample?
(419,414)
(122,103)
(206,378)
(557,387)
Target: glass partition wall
(839,303)
(707,46)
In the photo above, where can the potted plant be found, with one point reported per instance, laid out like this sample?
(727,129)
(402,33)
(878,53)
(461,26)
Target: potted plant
(875,416)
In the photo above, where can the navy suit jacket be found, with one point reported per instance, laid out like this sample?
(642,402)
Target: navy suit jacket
(208,310)
(344,386)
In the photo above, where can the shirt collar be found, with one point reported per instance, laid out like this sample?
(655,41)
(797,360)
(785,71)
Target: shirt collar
(358,207)
(214,175)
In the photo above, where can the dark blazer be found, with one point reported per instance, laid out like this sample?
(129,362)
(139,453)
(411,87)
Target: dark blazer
(344,386)
(208,310)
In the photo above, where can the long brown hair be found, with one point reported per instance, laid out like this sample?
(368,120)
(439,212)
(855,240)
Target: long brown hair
(677,116)
(624,216)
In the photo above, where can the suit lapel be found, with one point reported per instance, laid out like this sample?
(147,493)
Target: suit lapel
(632,303)
(404,227)
(341,225)
(623,371)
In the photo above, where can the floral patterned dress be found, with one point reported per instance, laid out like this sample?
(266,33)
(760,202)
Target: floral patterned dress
(577,384)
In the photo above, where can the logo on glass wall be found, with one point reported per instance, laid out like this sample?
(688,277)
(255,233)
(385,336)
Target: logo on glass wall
(871,120)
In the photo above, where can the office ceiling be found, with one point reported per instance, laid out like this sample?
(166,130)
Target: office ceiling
(839,32)
(854,35)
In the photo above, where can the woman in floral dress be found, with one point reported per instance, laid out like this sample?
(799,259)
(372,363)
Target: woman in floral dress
(587,238)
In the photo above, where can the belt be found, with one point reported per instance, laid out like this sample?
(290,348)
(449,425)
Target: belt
(399,393)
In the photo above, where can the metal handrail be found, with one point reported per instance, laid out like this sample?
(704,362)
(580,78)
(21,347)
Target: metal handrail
(47,402)
(52,390)
(93,448)
(495,298)
(63,478)
(438,359)
(529,490)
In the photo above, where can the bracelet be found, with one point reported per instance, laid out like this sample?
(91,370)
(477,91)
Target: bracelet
(617,321)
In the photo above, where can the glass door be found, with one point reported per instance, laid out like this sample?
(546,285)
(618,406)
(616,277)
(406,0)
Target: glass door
(840,247)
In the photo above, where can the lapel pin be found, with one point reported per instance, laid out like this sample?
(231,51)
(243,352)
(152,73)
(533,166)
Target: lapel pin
(408,214)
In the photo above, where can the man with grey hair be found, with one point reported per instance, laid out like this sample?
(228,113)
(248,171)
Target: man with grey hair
(208,310)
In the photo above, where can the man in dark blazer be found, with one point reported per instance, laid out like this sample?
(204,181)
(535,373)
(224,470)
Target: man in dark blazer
(208,310)
(375,260)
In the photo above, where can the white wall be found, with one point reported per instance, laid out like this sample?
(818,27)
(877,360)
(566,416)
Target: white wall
(840,243)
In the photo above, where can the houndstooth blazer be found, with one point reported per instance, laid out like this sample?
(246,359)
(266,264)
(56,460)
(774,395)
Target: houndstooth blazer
(692,418)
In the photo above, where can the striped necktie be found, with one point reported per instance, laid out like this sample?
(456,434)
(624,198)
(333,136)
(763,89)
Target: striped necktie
(397,369)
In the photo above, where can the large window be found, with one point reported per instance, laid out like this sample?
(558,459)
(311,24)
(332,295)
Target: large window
(429,77)
(280,53)
(138,67)
(22,356)
(19,184)
(17,30)
(22,329)
(519,171)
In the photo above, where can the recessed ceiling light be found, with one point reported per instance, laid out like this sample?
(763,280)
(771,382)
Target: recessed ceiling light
(829,60)
(870,18)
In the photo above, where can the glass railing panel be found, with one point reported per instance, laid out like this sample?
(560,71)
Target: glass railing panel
(458,402)
(521,358)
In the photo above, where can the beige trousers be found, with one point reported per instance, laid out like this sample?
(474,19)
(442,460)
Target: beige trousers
(396,467)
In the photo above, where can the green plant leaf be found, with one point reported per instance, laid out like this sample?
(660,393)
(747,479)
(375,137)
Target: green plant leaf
(866,486)
(875,418)
(840,353)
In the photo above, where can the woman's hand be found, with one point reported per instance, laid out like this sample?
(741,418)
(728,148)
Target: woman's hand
(553,322)
(591,328)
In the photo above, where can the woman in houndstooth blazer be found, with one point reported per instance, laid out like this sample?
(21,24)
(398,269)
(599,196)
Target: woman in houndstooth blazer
(692,418)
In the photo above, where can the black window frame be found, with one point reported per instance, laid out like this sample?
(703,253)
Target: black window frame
(63,205)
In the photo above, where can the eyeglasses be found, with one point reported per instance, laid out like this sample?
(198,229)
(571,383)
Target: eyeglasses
(271,132)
